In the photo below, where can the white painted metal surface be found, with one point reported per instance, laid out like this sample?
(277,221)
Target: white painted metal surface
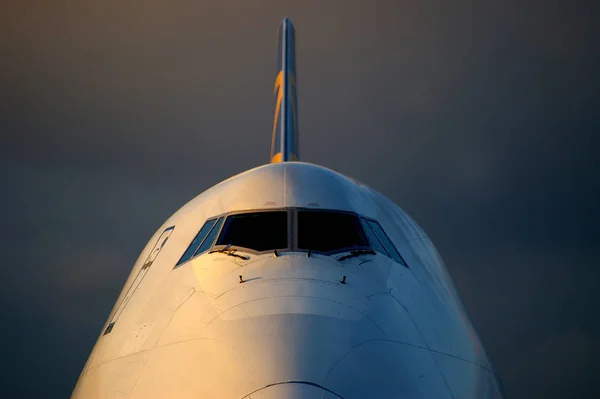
(292,329)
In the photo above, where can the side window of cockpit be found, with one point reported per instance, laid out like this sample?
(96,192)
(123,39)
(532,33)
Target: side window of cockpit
(385,240)
(202,241)
(259,231)
(323,231)
(187,255)
(373,240)
(210,238)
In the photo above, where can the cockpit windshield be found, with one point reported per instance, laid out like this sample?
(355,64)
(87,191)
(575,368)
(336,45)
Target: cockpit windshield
(292,230)
(326,231)
(260,231)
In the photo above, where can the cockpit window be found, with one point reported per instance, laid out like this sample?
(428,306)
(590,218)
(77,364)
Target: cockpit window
(260,231)
(385,240)
(187,255)
(210,239)
(373,240)
(292,229)
(324,231)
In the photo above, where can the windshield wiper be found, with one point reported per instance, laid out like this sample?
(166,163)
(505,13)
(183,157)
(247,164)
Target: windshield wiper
(229,252)
(356,252)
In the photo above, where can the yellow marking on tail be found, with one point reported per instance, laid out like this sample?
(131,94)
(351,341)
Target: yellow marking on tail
(276,158)
(278,88)
(278,83)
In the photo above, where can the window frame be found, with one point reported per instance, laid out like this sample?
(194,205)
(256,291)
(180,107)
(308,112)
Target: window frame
(218,232)
(181,261)
(196,253)
(365,223)
(292,230)
(371,220)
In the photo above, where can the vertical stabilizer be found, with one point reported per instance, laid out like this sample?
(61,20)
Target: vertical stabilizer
(284,142)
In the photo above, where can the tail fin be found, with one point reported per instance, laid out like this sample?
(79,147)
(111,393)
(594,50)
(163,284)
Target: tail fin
(284,143)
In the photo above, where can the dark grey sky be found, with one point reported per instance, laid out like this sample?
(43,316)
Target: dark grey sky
(479,118)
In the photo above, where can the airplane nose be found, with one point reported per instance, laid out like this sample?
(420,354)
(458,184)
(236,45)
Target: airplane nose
(315,348)
(308,335)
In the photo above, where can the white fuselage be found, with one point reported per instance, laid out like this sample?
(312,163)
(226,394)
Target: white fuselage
(288,327)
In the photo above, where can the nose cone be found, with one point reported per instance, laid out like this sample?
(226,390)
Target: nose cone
(329,354)
(300,337)
(291,329)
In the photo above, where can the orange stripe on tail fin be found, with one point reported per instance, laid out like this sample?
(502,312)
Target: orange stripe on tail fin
(284,140)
